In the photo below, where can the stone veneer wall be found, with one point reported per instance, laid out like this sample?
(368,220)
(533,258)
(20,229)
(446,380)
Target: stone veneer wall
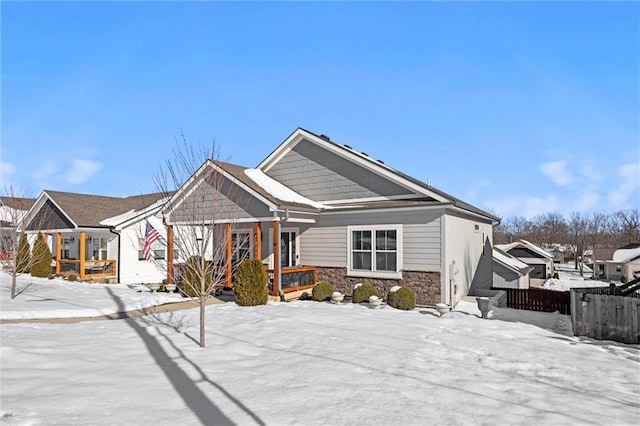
(425,284)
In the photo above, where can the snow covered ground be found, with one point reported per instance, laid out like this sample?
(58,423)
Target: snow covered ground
(569,277)
(305,363)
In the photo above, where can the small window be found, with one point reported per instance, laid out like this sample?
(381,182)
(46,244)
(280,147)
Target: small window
(158,249)
(618,268)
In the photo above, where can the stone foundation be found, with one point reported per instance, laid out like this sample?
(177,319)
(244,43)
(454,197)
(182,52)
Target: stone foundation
(425,284)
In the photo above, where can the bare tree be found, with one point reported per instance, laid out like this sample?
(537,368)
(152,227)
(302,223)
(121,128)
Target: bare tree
(577,226)
(550,228)
(626,224)
(13,210)
(202,220)
(596,228)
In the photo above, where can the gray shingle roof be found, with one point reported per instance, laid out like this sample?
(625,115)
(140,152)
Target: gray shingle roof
(89,210)
(18,202)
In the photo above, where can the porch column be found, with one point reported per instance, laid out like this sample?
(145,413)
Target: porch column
(58,251)
(257,241)
(170,278)
(229,256)
(83,249)
(276,258)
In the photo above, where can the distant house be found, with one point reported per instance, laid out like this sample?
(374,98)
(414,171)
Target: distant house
(12,212)
(625,263)
(558,254)
(99,237)
(509,272)
(534,256)
(315,209)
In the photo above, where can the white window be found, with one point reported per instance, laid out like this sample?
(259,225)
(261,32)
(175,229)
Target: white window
(157,249)
(375,251)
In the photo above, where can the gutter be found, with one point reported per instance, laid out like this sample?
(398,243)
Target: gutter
(119,251)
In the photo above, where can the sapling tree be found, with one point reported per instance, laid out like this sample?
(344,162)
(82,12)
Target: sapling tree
(203,216)
(15,253)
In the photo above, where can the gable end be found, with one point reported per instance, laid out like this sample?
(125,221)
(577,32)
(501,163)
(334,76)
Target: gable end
(322,175)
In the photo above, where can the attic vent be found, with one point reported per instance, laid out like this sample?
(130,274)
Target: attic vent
(365,154)
(325,137)
(347,146)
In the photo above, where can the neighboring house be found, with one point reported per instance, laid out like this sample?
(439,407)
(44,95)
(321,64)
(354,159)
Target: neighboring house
(97,236)
(625,263)
(534,256)
(598,255)
(12,212)
(558,254)
(508,271)
(341,216)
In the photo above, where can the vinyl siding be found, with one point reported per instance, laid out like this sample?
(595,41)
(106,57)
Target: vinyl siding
(322,175)
(217,206)
(326,243)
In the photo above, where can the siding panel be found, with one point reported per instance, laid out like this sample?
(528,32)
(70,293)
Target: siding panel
(322,175)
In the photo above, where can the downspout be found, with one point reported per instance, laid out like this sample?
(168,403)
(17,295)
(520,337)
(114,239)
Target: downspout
(118,259)
(276,245)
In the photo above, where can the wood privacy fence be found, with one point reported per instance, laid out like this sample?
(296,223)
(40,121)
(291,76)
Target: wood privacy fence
(538,299)
(607,314)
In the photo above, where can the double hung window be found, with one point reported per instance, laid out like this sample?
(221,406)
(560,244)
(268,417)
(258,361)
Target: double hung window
(375,251)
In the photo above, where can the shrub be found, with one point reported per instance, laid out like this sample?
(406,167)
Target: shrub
(322,291)
(556,276)
(72,277)
(41,258)
(361,293)
(404,298)
(250,286)
(623,279)
(192,274)
(23,257)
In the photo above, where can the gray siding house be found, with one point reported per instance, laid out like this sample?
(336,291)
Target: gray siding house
(341,216)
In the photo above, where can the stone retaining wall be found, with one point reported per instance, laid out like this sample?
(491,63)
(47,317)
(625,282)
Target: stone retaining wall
(425,284)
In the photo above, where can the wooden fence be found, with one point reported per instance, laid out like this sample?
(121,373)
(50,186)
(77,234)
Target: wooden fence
(606,315)
(538,299)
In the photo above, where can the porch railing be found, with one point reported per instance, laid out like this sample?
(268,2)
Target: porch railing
(92,268)
(294,279)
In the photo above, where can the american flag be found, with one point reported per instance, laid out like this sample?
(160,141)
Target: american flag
(150,237)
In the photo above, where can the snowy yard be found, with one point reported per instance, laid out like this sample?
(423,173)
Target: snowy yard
(303,363)
(569,277)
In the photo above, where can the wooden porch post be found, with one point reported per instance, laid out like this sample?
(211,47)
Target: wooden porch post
(229,260)
(58,251)
(276,258)
(257,241)
(83,243)
(170,279)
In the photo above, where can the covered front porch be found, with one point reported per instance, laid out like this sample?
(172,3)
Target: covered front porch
(83,253)
(247,240)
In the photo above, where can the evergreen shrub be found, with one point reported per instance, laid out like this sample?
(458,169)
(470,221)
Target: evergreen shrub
(23,257)
(40,258)
(192,273)
(361,293)
(250,285)
(404,299)
(623,279)
(322,291)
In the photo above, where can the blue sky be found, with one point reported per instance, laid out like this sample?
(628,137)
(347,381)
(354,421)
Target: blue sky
(521,108)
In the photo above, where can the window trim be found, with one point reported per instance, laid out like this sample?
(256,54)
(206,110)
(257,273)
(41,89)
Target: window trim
(397,274)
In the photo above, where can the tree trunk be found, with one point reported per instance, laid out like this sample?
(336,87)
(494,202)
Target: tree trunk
(203,302)
(13,285)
